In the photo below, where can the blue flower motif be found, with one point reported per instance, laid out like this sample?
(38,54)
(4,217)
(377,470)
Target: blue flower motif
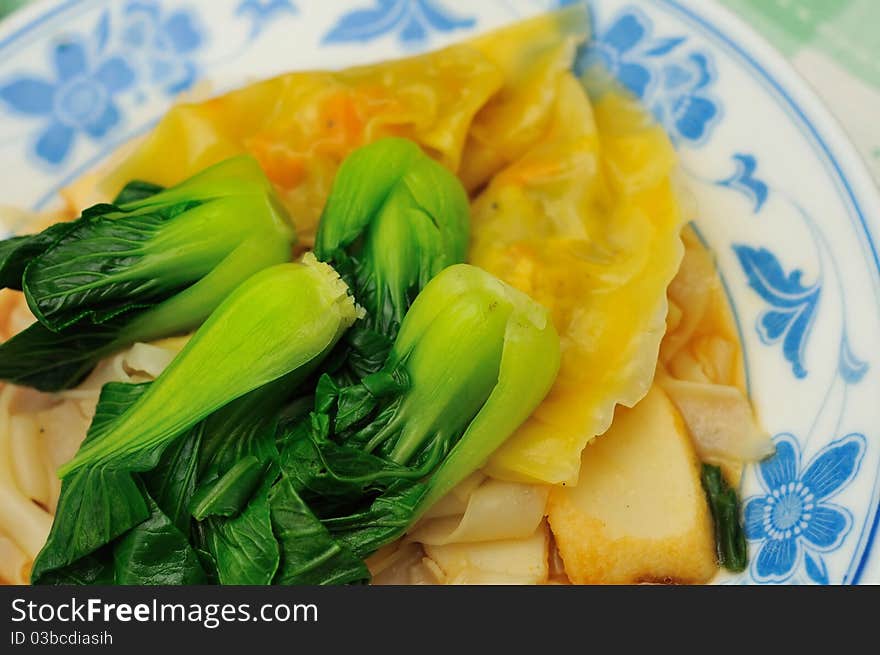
(682,101)
(745,181)
(79,98)
(674,83)
(616,50)
(794,516)
(411,19)
(163,43)
(263,12)
(794,305)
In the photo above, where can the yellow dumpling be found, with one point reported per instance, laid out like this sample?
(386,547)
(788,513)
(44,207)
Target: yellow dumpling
(300,126)
(587,222)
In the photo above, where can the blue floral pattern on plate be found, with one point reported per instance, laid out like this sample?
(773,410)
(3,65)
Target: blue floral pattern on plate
(793,304)
(263,12)
(412,20)
(671,79)
(794,517)
(162,43)
(79,98)
(745,180)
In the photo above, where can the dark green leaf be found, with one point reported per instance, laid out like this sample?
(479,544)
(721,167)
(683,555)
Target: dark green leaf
(331,476)
(367,350)
(730,539)
(155,552)
(17,252)
(94,569)
(136,190)
(100,269)
(96,506)
(244,548)
(173,482)
(228,495)
(245,427)
(385,520)
(309,554)
(50,361)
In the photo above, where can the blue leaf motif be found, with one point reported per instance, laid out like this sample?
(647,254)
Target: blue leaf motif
(102,32)
(411,19)
(664,46)
(852,369)
(440,18)
(745,181)
(367,24)
(793,305)
(816,569)
(264,12)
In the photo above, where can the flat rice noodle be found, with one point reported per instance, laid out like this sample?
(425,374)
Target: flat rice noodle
(405,565)
(15,565)
(497,510)
(720,420)
(455,503)
(27,523)
(512,561)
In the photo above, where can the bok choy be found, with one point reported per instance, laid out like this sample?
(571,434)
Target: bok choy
(393,220)
(154,263)
(297,432)
(277,325)
(473,359)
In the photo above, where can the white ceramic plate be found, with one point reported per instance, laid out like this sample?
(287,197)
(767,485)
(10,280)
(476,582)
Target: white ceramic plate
(784,201)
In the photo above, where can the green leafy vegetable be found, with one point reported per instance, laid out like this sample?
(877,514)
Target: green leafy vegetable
(115,258)
(244,549)
(155,552)
(275,326)
(278,321)
(473,358)
(49,361)
(17,252)
(730,539)
(153,265)
(309,553)
(217,471)
(393,220)
(228,495)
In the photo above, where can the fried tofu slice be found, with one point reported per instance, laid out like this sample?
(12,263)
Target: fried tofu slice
(638,512)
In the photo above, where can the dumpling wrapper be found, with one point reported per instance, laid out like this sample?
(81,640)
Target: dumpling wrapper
(301,125)
(588,223)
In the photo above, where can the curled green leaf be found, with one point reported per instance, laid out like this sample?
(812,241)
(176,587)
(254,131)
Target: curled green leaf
(393,220)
